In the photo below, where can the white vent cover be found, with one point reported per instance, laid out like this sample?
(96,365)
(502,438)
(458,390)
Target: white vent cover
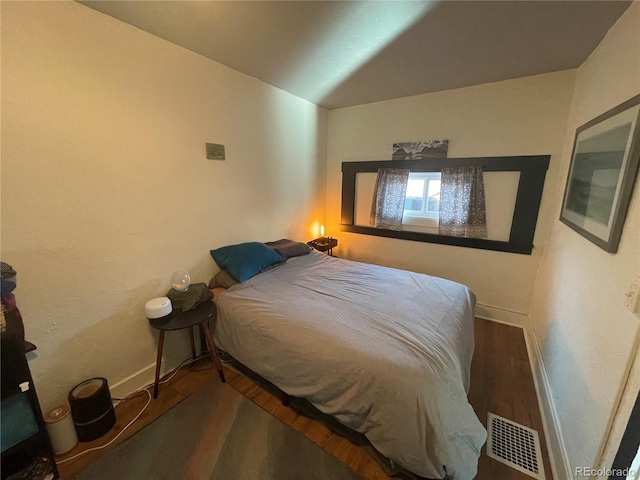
(514,445)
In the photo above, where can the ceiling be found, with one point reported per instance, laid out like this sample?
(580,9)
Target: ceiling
(343,53)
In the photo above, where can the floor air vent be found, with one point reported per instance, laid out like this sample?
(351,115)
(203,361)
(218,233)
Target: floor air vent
(514,445)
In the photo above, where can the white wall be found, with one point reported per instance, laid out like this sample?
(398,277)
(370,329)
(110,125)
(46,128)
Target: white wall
(587,337)
(516,117)
(106,189)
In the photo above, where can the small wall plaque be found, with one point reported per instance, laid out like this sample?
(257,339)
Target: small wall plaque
(215,151)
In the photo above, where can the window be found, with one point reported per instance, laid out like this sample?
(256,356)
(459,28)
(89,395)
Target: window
(531,171)
(422,200)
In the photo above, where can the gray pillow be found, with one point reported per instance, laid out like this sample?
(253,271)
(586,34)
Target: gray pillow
(222,279)
(288,248)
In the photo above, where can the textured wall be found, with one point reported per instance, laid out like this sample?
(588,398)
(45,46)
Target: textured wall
(106,189)
(586,334)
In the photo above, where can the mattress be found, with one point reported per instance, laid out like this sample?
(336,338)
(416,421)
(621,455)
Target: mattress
(386,352)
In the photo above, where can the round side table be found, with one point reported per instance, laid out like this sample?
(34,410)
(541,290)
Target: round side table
(177,320)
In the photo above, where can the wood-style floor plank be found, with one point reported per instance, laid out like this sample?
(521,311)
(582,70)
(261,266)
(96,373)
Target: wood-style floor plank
(501,383)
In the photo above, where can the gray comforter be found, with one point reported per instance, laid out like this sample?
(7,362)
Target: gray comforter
(387,352)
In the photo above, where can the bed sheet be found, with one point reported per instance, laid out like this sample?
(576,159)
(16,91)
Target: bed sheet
(387,352)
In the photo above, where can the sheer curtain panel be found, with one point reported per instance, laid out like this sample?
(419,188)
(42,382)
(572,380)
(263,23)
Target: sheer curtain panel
(388,198)
(462,209)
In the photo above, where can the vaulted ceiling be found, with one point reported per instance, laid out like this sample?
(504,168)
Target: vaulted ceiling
(343,53)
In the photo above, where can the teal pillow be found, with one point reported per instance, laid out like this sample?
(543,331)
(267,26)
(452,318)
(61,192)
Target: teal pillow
(244,260)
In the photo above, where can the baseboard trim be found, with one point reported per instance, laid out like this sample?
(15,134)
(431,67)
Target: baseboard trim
(558,457)
(501,315)
(134,382)
(142,378)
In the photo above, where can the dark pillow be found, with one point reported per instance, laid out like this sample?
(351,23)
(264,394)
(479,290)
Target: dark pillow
(222,279)
(288,248)
(244,260)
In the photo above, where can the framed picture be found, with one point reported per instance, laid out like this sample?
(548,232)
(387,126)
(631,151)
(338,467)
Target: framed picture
(420,150)
(604,166)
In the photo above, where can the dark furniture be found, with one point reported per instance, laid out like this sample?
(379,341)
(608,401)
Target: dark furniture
(324,244)
(177,320)
(628,446)
(26,449)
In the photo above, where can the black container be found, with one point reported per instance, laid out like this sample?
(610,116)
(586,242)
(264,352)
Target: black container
(91,409)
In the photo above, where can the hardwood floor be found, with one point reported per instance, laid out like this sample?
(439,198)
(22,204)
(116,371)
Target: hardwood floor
(501,383)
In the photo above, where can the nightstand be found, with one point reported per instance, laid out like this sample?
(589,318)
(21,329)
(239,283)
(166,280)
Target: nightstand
(324,244)
(177,320)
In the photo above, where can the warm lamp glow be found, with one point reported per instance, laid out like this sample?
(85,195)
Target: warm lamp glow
(322,230)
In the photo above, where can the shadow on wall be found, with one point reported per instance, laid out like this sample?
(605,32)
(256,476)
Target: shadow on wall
(114,347)
(291,173)
(568,382)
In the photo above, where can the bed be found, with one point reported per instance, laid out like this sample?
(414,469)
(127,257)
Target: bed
(386,352)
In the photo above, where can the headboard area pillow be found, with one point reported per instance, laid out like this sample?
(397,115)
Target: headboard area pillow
(289,248)
(244,260)
(222,279)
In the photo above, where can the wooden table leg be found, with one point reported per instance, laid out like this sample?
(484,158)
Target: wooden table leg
(193,343)
(203,343)
(212,347)
(158,363)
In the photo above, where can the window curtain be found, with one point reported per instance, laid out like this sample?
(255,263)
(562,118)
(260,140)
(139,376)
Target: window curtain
(462,210)
(388,198)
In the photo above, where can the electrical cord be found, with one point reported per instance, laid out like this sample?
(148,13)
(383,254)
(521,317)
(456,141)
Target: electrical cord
(208,367)
(138,392)
(172,373)
(114,438)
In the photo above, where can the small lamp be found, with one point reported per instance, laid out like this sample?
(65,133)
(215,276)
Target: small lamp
(322,231)
(180,281)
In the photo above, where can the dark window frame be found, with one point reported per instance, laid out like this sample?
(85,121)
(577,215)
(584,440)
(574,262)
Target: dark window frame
(532,168)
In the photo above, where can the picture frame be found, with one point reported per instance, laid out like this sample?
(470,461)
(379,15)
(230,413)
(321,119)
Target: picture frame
(420,150)
(602,173)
